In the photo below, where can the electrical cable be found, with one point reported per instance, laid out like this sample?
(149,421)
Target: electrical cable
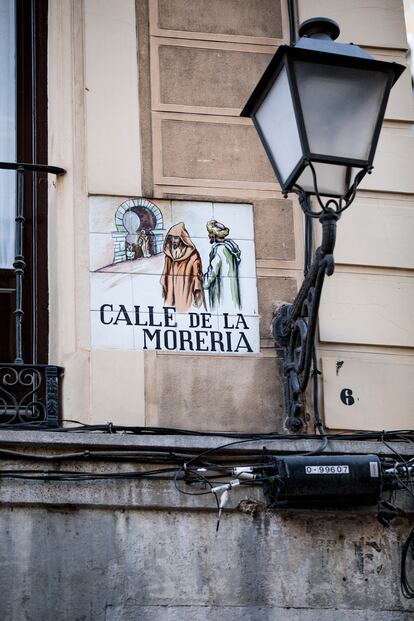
(203,478)
(159,456)
(408,488)
(215,470)
(395,436)
(308,238)
(160,431)
(407,589)
(315,372)
(63,475)
(318,421)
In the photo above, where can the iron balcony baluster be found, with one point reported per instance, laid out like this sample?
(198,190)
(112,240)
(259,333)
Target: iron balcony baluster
(19,264)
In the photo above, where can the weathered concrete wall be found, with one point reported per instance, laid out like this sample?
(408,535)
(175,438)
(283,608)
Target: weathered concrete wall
(72,564)
(129,550)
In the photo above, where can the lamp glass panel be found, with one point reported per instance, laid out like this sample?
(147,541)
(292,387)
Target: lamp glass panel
(340,107)
(277,122)
(331,179)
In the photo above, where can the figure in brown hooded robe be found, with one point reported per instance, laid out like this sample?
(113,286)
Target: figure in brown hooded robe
(182,278)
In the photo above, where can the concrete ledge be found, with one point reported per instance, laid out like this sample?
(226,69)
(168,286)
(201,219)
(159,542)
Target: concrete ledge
(247,613)
(86,441)
(158,494)
(111,494)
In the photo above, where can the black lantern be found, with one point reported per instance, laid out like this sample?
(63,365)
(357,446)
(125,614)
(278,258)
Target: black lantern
(318,109)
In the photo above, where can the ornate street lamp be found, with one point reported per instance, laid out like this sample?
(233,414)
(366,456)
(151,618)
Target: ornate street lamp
(318,109)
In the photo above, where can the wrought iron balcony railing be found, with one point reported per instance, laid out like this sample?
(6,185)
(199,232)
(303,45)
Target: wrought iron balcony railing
(30,394)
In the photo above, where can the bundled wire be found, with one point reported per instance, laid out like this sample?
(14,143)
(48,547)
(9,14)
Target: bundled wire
(184,454)
(215,470)
(399,472)
(403,435)
(407,589)
(315,371)
(69,475)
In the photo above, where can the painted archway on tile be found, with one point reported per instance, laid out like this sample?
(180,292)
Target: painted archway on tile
(139,230)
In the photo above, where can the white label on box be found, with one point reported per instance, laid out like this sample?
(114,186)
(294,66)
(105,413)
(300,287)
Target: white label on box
(327,469)
(373,469)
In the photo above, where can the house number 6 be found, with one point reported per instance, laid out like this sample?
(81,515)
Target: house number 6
(346,396)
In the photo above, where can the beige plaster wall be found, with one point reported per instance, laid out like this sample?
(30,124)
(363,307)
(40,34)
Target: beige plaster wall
(227,18)
(94,135)
(111,95)
(203,61)
(120,122)
(374,23)
(68,210)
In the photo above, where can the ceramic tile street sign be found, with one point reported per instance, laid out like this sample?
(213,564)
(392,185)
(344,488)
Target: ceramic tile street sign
(173,276)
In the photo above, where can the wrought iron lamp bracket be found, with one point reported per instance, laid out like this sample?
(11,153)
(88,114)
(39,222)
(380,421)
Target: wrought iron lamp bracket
(294,325)
(337,205)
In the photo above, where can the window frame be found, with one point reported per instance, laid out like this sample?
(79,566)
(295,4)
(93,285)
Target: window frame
(31,147)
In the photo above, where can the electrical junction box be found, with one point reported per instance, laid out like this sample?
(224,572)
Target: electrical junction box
(323,480)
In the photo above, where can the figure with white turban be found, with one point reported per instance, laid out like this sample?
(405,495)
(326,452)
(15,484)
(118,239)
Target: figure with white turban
(222,277)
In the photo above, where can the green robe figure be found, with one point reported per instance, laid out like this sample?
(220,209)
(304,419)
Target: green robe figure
(222,277)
